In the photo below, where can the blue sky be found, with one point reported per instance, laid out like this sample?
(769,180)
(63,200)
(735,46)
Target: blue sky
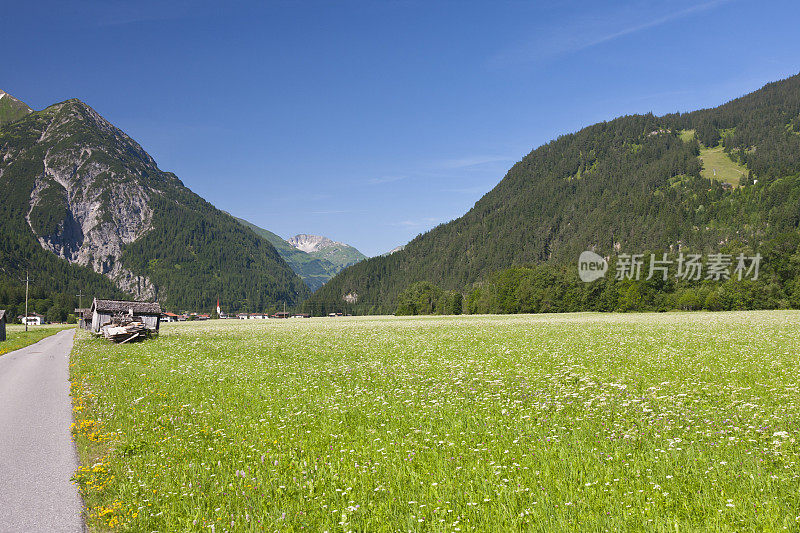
(371,122)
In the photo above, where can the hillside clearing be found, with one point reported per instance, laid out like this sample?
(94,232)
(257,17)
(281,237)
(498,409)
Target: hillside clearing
(687,135)
(717,165)
(659,422)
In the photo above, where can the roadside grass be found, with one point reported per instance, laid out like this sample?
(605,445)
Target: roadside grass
(717,165)
(17,337)
(619,422)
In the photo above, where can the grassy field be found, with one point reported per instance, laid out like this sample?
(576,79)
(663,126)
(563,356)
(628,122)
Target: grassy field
(596,422)
(17,337)
(718,166)
(687,135)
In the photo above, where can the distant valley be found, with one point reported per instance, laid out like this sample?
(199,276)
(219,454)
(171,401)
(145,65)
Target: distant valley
(314,258)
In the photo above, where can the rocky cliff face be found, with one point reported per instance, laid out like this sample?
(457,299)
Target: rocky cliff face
(88,199)
(394,250)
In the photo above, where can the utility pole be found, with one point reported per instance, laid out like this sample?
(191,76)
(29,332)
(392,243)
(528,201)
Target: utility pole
(79,319)
(27,281)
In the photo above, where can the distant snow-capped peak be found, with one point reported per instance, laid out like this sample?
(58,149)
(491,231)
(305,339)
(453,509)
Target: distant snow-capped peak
(310,243)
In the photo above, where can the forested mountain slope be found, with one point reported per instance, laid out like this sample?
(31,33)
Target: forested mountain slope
(79,189)
(631,184)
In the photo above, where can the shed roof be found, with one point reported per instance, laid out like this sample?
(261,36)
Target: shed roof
(121,306)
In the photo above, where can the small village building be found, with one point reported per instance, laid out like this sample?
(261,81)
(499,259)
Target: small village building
(203,317)
(33,319)
(2,325)
(169,317)
(149,313)
(282,314)
(259,316)
(301,315)
(242,316)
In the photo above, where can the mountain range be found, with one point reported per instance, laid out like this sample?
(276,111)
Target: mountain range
(314,258)
(338,254)
(85,208)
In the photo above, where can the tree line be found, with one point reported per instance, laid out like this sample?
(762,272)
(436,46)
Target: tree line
(549,288)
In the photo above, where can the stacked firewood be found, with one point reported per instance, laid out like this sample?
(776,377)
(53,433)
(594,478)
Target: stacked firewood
(123,329)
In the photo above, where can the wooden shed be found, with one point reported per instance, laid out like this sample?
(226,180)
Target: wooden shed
(2,325)
(103,311)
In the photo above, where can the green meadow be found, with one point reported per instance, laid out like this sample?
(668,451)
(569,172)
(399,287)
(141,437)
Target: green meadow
(573,422)
(717,165)
(17,337)
(687,135)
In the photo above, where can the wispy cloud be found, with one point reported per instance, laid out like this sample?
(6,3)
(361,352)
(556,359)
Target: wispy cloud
(332,212)
(652,23)
(384,179)
(661,95)
(119,12)
(417,223)
(480,189)
(473,161)
(586,33)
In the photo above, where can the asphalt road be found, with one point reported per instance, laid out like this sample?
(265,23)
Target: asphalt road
(37,456)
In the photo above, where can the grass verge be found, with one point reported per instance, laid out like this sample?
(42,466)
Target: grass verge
(17,337)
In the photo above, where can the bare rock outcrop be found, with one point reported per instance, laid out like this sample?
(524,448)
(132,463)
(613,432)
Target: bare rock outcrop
(90,200)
